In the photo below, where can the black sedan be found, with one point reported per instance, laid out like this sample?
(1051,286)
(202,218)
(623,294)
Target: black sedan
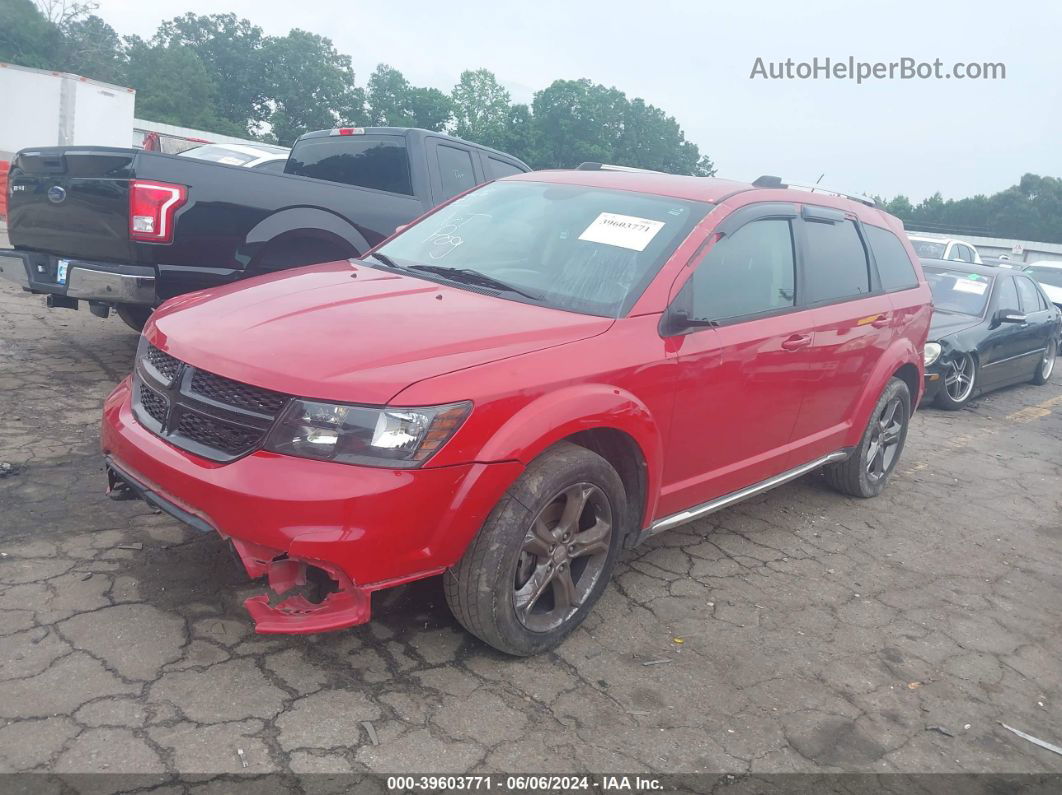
(991,328)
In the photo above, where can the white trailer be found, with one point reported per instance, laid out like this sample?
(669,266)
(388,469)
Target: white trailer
(39,107)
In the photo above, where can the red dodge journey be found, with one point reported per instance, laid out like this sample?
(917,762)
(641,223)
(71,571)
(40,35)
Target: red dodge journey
(508,392)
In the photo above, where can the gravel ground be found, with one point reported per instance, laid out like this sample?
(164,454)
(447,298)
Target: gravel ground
(802,631)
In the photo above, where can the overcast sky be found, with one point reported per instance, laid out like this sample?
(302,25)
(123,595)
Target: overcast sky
(693,60)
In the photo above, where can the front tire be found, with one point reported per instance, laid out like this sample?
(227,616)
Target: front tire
(866,471)
(545,554)
(1046,365)
(960,381)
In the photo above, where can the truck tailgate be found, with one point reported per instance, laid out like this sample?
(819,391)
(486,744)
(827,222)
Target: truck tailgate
(72,202)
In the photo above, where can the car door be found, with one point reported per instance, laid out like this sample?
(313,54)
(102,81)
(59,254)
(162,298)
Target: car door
(1000,350)
(739,382)
(1036,332)
(852,322)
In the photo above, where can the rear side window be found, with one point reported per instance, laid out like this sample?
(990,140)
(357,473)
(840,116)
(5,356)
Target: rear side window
(747,273)
(378,162)
(836,263)
(499,168)
(894,266)
(1030,296)
(272,166)
(455,170)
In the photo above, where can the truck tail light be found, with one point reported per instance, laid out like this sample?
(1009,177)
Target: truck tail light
(152,206)
(348,131)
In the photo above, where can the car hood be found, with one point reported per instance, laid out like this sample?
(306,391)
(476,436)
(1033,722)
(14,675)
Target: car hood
(945,323)
(344,332)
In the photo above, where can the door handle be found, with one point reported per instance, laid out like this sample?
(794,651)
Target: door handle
(881,321)
(796,342)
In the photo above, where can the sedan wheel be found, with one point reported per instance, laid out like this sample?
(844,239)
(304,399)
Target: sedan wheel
(1046,365)
(960,377)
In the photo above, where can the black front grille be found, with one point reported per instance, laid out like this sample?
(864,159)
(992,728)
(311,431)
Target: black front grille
(207,414)
(234,393)
(165,364)
(233,440)
(154,404)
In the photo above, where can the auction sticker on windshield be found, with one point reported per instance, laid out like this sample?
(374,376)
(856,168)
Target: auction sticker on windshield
(977,288)
(624,231)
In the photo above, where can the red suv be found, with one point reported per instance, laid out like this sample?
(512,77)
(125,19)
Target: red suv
(546,370)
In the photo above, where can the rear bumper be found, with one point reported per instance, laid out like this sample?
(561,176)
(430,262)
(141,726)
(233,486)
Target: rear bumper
(109,283)
(367,528)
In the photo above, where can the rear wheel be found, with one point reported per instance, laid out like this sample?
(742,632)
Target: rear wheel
(134,315)
(866,471)
(960,378)
(1046,365)
(544,555)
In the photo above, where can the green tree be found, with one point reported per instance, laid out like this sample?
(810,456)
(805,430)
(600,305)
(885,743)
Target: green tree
(481,108)
(92,48)
(518,138)
(27,37)
(174,86)
(232,51)
(430,108)
(388,97)
(311,85)
(574,121)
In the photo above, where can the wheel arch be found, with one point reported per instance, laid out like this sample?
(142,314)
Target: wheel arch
(610,421)
(900,360)
(300,223)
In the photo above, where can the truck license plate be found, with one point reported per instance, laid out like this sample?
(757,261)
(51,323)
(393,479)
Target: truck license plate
(61,271)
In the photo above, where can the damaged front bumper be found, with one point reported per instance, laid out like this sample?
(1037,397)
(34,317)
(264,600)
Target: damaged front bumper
(299,522)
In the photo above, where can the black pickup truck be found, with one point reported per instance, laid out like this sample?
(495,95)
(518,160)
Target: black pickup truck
(127,229)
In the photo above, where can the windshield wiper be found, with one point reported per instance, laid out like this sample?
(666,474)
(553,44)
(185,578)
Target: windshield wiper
(470,276)
(386,260)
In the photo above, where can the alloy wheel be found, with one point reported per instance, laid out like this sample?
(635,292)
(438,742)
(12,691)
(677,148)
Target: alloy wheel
(959,378)
(563,555)
(885,436)
(1048,364)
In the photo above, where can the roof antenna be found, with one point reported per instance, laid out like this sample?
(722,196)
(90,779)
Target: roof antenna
(823,174)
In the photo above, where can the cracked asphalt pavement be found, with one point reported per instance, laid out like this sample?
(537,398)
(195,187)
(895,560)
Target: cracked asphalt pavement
(801,631)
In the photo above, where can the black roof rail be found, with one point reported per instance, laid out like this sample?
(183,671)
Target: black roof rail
(768,181)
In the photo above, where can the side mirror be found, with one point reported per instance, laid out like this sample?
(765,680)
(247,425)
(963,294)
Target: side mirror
(1010,316)
(678,321)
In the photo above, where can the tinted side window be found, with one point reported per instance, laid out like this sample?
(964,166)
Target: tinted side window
(894,265)
(836,262)
(369,162)
(455,170)
(1008,296)
(1030,296)
(499,168)
(748,272)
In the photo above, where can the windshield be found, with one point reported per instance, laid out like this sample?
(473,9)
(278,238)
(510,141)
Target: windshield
(929,249)
(958,290)
(570,247)
(1050,276)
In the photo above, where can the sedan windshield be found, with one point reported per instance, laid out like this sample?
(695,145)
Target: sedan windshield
(570,247)
(929,249)
(1045,275)
(959,291)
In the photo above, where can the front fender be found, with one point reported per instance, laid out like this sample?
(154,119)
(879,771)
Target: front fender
(901,352)
(555,416)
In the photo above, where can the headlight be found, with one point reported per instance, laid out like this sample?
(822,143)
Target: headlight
(931,353)
(391,437)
